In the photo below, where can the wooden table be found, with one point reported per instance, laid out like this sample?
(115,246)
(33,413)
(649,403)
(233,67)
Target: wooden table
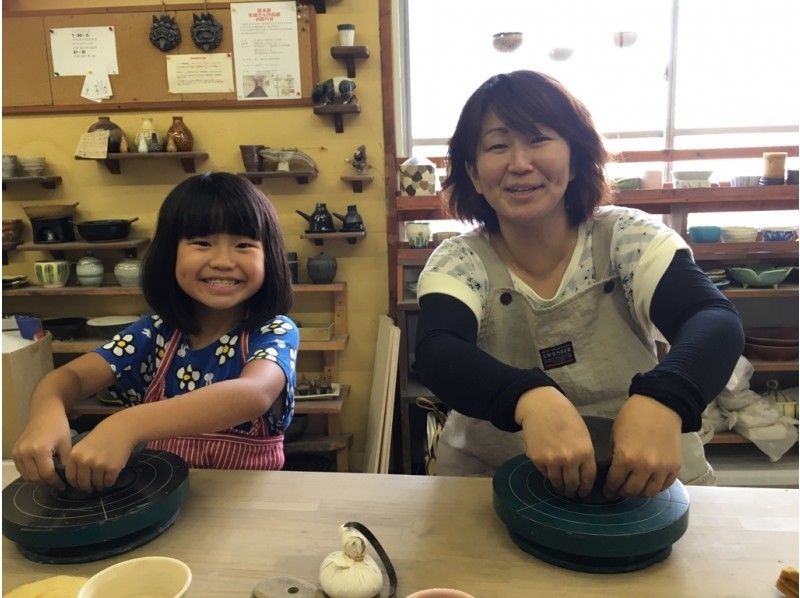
(237,528)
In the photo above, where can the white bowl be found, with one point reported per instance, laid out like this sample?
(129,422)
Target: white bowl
(691,175)
(739,234)
(152,576)
(745,181)
(691,183)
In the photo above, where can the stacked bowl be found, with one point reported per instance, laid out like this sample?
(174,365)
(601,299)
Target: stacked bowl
(739,234)
(771,343)
(33,166)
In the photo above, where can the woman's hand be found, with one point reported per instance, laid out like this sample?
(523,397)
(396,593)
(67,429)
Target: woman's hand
(95,461)
(647,452)
(557,440)
(46,435)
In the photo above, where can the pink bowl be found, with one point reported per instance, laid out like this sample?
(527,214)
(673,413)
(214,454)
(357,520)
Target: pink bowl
(440,593)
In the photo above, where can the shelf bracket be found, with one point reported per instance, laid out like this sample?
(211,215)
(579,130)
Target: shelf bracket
(188,165)
(112,165)
(357,181)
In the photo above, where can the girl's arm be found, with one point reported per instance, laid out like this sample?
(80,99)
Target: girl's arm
(97,460)
(47,431)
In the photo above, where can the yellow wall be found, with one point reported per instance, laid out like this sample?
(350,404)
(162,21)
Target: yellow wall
(141,187)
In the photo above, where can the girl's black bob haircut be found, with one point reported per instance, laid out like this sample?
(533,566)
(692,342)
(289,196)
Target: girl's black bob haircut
(205,204)
(522,100)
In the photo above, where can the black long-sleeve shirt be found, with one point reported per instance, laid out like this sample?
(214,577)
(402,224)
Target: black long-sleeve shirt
(701,325)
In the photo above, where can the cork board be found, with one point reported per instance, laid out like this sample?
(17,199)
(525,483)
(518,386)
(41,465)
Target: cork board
(142,79)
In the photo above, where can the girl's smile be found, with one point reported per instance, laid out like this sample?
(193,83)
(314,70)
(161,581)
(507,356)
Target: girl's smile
(220,271)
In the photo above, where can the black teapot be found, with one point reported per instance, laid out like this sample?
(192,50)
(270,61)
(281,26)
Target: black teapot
(351,222)
(320,221)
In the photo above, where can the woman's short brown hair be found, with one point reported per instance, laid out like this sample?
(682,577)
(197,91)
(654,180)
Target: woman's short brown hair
(524,101)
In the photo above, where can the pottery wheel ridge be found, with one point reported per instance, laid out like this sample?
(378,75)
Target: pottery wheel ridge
(50,526)
(624,535)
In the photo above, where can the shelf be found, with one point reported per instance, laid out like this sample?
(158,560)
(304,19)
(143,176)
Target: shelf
(358,181)
(85,345)
(302,176)
(324,406)
(320,238)
(48,182)
(728,438)
(717,153)
(349,55)
(116,291)
(409,256)
(420,207)
(775,366)
(759,250)
(783,290)
(318,444)
(711,199)
(337,110)
(113,160)
(129,246)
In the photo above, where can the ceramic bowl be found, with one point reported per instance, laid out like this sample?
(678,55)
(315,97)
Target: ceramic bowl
(443,235)
(64,329)
(745,181)
(156,576)
(762,275)
(440,593)
(704,234)
(776,336)
(769,352)
(739,234)
(33,166)
(691,175)
(787,233)
(632,183)
(107,326)
(52,273)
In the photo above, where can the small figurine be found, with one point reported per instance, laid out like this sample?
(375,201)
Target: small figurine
(359,160)
(338,90)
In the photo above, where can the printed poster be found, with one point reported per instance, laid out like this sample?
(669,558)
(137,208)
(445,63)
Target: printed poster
(78,50)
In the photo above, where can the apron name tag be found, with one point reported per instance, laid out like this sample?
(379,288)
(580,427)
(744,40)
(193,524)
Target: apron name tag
(557,356)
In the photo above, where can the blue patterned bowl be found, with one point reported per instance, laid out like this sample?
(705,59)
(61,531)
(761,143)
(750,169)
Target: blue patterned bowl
(779,234)
(705,234)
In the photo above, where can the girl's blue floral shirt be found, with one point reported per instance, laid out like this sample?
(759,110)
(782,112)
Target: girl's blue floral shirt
(135,354)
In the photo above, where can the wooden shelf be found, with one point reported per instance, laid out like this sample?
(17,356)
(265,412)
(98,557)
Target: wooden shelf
(775,366)
(188,159)
(337,110)
(319,444)
(129,246)
(349,54)
(116,291)
(420,207)
(48,182)
(358,181)
(711,199)
(302,176)
(717,153)
(728,438)
(320,238)
(760,250)
(410,256)
(783,290)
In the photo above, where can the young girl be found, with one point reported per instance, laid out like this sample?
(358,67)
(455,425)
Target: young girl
(217,347)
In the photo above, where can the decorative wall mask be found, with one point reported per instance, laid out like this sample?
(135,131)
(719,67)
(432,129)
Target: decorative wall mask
(206,31)
(164,32)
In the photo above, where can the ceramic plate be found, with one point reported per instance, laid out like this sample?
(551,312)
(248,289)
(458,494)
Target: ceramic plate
(13,282)
(331,395)
(722,283)
(112,321)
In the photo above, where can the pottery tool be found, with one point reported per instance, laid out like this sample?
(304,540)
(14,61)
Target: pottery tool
(70,526)
(625,534)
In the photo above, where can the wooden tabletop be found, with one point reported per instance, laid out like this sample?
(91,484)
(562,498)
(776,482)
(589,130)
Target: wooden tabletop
(238,528)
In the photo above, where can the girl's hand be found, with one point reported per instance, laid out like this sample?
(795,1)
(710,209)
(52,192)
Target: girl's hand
(557,440)
(647,452)
(46,435)
(95,461)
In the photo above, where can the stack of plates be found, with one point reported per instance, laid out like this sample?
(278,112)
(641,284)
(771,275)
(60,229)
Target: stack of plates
(771,343)
(765,180)
(718,277)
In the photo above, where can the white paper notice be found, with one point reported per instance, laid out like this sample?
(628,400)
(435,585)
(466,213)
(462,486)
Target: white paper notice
(96,86)
(265,50)
(77,50)
(200,73)
(93,145)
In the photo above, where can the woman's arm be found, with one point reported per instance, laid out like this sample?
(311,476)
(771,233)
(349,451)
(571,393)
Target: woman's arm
(706,337)
(47,432)
(462,375)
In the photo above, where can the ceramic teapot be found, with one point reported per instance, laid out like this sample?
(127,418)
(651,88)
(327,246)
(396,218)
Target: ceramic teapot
(351,222)
(320,221)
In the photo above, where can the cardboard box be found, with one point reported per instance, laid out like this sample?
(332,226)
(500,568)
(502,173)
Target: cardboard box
(22,370)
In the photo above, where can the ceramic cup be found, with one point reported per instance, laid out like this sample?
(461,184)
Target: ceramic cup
(418,234)
(52,273)
(157,576)
(347,34)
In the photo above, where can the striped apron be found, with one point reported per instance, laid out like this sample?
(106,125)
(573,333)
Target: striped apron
(228,449)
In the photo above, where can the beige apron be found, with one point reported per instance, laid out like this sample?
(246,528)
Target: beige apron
(588,343)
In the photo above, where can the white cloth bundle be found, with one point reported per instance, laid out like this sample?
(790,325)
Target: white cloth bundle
(350,572)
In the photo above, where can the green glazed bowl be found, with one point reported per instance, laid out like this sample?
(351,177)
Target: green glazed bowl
(761,275)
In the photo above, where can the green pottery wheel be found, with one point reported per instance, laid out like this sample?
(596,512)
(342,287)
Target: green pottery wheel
(52,526)
(624,535)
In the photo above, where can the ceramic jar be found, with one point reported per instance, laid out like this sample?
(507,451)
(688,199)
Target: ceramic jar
(52,273)
(9,165)
(321,268)
(90,271)
(128,271)
(418,234)
(180,134)
(115,133)
(12,230)
(145,133)
(418,177)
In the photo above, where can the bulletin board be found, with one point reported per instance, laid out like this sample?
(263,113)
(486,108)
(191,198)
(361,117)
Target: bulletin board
(30,87)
